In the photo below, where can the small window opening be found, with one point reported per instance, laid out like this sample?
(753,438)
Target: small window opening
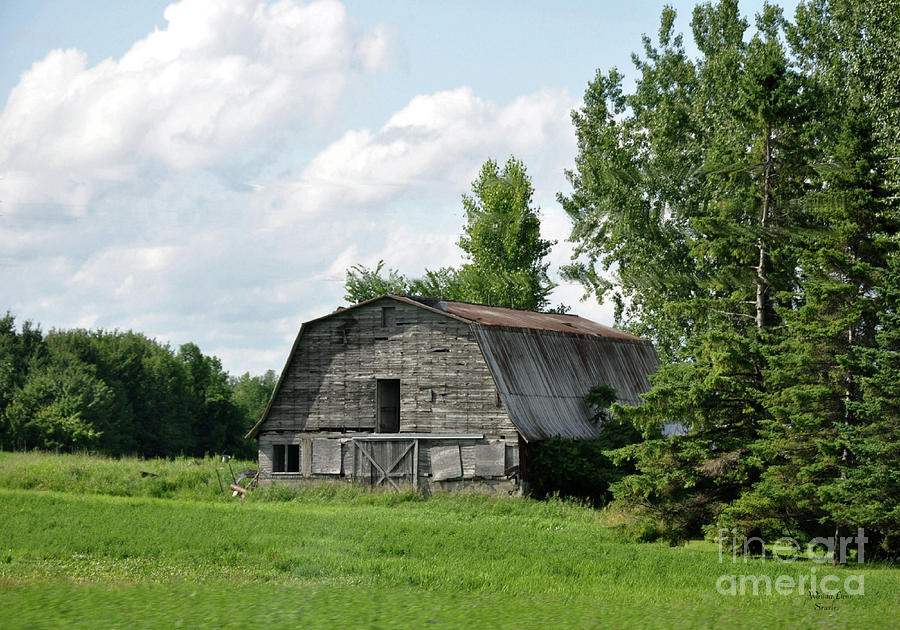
(293,458)
(388,317)
(285,458)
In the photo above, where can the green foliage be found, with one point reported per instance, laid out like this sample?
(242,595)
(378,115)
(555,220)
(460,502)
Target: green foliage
(581,469)
(740,209)
(500,241)
(363,284)
(251,394)
(64,406)
(119,392)
(600,398)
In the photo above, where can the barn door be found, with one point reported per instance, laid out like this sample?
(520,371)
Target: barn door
(386,462)
(387,402)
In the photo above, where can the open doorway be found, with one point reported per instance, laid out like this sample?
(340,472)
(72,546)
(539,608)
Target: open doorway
(387,405)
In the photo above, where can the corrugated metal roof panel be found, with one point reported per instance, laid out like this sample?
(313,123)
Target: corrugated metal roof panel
(543,376)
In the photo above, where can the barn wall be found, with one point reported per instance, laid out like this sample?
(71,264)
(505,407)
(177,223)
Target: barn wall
(430,465)
(445,385)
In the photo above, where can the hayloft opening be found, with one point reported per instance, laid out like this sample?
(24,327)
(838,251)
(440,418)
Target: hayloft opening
(387,403)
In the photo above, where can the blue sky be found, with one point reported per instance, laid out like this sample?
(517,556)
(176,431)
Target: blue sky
(208,171)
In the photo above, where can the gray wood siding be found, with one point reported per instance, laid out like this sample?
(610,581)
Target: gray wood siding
(332,456)
(445,384)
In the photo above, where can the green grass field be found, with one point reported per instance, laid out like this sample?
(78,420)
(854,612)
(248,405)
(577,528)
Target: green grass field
(327,556)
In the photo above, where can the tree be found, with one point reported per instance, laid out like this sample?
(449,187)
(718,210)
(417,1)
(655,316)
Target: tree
(740,202)
(251,394)
(117,393)
(362,283)
(684,190)
(62,407)
(501,243)
(18,351)
(834,413)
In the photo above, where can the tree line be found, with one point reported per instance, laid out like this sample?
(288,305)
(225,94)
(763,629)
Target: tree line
(121,393)
(740,208)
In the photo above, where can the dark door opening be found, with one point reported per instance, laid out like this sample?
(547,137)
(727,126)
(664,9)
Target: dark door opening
(387,404)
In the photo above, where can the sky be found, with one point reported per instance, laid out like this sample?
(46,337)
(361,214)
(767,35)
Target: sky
(206,170)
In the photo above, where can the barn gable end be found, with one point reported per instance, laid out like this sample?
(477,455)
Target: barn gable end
(330,381)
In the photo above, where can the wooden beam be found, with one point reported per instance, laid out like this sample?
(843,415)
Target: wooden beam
(416,464)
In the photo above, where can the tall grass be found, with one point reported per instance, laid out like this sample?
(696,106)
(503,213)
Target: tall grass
(187,478)
(209,478)
(515,563)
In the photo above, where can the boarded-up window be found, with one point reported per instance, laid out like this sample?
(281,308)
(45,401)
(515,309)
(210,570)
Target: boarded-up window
(490,460)
(445,462)
(326,457)
(388,317)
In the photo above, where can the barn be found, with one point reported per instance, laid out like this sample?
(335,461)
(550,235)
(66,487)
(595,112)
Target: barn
(406,391)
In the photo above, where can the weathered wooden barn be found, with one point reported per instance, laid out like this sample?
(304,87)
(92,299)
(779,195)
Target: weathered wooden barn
(438,394)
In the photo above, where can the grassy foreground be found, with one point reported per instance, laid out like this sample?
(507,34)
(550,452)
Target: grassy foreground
(379,561)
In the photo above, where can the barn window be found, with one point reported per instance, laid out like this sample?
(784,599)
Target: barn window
(388,317)
(285,458)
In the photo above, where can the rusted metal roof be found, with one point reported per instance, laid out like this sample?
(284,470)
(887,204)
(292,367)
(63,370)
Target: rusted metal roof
(516,318)
(543,376)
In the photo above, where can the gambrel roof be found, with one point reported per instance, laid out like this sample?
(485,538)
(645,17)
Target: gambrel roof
(543,363)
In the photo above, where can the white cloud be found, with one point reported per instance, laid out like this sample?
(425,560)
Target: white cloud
(115,208)
(222,80)
(434,144)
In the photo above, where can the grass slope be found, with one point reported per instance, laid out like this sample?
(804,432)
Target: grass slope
(379,561)
(86,474)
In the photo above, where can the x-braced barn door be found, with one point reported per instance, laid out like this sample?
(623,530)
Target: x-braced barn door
(386,462)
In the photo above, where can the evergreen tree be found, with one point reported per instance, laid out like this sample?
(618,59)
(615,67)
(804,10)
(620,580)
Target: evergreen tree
(831,447)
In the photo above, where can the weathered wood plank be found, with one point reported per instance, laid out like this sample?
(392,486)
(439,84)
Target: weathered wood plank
(490,459)
(445,462)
